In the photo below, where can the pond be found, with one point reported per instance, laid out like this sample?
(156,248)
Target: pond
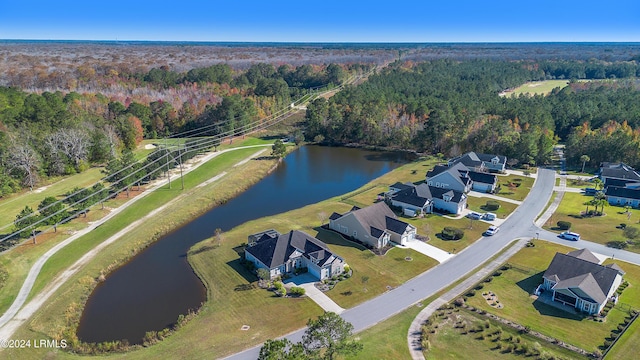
(156,286)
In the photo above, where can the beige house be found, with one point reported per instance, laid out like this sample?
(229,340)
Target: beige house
(375,226)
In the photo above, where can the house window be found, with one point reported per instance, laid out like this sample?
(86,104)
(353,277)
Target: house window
(355,233)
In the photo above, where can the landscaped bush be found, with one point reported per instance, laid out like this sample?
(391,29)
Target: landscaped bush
(617,244)
(452,233)
(347,269)
(470,293)
(492,205)
(280,290)
(564,225)
(297,291)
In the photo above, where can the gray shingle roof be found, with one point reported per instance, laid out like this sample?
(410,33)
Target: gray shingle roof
(334,216)
(274,252)
(584,254)
(456,196)
(377,217)
(622,192)
(569,271)
(618,171)
(473,159)
(482,177)
(414,195)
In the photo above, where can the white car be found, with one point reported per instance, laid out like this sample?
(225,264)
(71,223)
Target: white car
(492,230)
(568,235)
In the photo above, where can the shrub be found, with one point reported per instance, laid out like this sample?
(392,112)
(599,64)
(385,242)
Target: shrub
(492,205)
(470,293)
(297,291)
(631,232)
(347,269)
(479,287)
(452,233)
(623,226)
(564,225)
(617,244)
(459,302)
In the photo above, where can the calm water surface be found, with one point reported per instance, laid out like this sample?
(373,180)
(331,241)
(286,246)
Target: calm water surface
(155,287)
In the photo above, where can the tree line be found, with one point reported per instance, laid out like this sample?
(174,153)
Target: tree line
(56,133)
(451,107)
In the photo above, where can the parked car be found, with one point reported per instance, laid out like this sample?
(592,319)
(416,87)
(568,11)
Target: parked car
(492,230)
(489,216)
(590,191)
(474,216)
(568,235)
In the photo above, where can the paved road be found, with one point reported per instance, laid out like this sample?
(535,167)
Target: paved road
(519,224)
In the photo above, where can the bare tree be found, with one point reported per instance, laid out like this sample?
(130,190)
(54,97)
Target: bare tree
(219,236)
(25,160)
(322,216)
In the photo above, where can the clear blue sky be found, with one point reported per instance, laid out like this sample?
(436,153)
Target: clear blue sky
(323,20)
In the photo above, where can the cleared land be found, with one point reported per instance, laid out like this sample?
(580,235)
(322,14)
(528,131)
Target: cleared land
(599,229)
(515,286)
(536,88)
(460,333)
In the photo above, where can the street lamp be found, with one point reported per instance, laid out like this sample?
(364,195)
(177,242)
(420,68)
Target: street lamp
(537,236)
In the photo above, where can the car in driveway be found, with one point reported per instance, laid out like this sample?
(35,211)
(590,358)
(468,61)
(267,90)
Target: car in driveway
(474,216)
(568,235)
(492,230)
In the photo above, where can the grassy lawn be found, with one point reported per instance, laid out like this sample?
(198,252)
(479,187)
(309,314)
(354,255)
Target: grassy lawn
(431,225)
(600,229)
(394,332)
(11,205)
(367,197)
(514,287)
(477,204)
(538,87)
(628,346)
(449,341)
(521,185)
(18,260)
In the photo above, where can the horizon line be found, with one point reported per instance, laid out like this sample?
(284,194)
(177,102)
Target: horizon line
(324,42)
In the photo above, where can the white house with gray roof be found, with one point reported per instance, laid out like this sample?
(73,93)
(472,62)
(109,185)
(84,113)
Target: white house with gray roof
(481,162)
(375,225)
(283,253)
(577,279)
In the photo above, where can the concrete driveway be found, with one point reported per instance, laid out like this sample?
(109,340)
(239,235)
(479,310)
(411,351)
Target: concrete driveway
(429,250)
(307,282)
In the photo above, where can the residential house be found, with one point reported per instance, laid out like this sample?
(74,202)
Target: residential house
(623,196)
(481,162)
(449,201)
(375,225)
(413,199)
(577,279)
(620,171)
(483,182)
(454,177)
(283,253)
(424,199)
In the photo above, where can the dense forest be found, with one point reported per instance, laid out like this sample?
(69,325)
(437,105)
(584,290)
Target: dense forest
(450,107)
(48,134)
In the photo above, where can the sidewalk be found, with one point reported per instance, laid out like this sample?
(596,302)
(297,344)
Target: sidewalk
(495,197)
(554,205)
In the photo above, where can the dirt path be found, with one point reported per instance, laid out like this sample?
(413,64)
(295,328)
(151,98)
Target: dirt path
(16,315)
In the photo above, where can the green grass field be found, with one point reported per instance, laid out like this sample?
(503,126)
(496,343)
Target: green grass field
(537,87)
(514,287)
(515,191)
(627,346)
(478,204)
(600,229)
